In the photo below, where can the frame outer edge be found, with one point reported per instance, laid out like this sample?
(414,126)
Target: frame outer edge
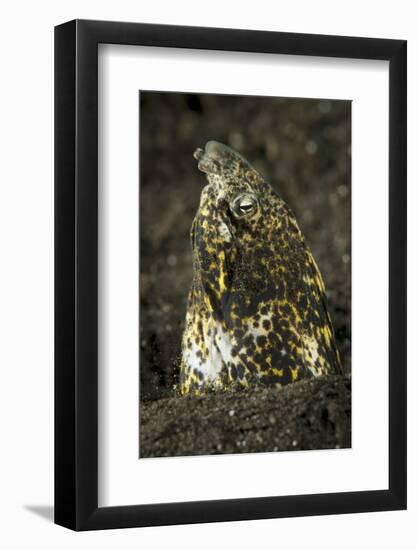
(65,257)
(242,40)
(398,275)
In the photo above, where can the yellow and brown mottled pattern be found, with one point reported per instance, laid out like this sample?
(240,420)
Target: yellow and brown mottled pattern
(257,305)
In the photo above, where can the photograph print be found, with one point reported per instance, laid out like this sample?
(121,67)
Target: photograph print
(245,274)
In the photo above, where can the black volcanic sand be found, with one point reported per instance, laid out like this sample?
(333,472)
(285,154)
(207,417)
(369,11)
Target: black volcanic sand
(311,414)
(303,148)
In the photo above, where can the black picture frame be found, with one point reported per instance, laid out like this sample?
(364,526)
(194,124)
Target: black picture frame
(76,271)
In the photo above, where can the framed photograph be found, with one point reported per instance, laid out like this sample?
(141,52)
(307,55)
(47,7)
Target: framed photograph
(230,255)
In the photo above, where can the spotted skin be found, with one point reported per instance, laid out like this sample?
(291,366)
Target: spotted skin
(257,308)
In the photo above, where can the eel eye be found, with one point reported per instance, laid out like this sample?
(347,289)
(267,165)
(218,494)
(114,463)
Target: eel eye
(244,205)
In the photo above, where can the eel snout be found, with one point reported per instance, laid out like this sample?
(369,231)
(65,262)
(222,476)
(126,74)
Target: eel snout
(215,157)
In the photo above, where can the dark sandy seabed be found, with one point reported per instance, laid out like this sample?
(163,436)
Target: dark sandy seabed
(311,414)
(303,148)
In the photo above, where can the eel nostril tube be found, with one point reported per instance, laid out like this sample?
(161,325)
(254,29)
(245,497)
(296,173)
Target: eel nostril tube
(206,162)
(198,154)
